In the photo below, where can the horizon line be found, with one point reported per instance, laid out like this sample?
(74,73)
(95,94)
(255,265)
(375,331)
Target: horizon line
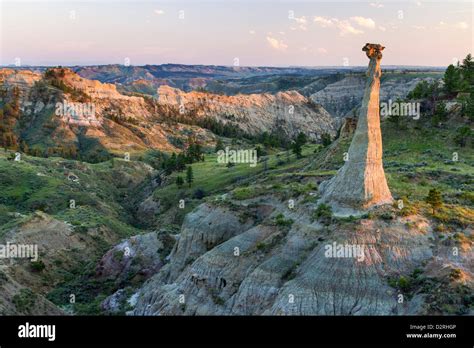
(218,65)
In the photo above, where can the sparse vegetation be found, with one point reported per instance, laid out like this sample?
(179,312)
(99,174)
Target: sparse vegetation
(298,144)
(281,221)
(37,266)
(326,139)
(323,213)
(24,301)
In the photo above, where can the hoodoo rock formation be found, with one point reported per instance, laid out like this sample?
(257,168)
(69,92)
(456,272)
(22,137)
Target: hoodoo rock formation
(361,183)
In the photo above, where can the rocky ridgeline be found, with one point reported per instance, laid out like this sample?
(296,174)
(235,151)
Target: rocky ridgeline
(254,113)
(23,79)
(342,97)
(119,123)
(123,123)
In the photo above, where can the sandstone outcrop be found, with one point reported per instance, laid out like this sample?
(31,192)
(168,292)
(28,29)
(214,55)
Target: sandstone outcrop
(138,127)
(255,113)
(124,123)
(361,183)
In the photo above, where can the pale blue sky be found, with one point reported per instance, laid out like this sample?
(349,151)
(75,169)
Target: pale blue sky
(217,32)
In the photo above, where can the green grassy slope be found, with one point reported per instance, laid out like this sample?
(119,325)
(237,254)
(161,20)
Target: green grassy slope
(417,157)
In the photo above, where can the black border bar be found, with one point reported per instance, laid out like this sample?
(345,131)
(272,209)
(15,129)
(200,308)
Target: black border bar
(261,330)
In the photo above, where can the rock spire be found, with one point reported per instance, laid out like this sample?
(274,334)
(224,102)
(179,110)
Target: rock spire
(360,183)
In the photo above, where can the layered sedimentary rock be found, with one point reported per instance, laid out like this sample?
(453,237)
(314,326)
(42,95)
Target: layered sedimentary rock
(288,111)
(123,123)
(342,97)
(291,274)
(361,182)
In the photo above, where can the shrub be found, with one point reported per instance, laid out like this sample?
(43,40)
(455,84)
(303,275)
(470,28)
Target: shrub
(387,216)
(290,273)
(370,215)
(468,196)
(350,218)
(37,266)
(3,278)
(408,208)
(299,189)
(404,283)
(24,300)
(455,274)
(417,272)
(242,193)
(199,193)
(326,139)
(323,213)
(119,255)
(281,221)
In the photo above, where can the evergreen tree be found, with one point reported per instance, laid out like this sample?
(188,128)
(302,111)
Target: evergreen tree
(180,162)
(440,113)
(265,139)
(301,138)
(326,139)
(219,145)
(298,144)
(469,106)
(194,153)
(260,151)
(189,175)
(451,79)
(463,135)
(467,73)
(179,181)
(420,91)
(170,164)
(296,148)
(434,199)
